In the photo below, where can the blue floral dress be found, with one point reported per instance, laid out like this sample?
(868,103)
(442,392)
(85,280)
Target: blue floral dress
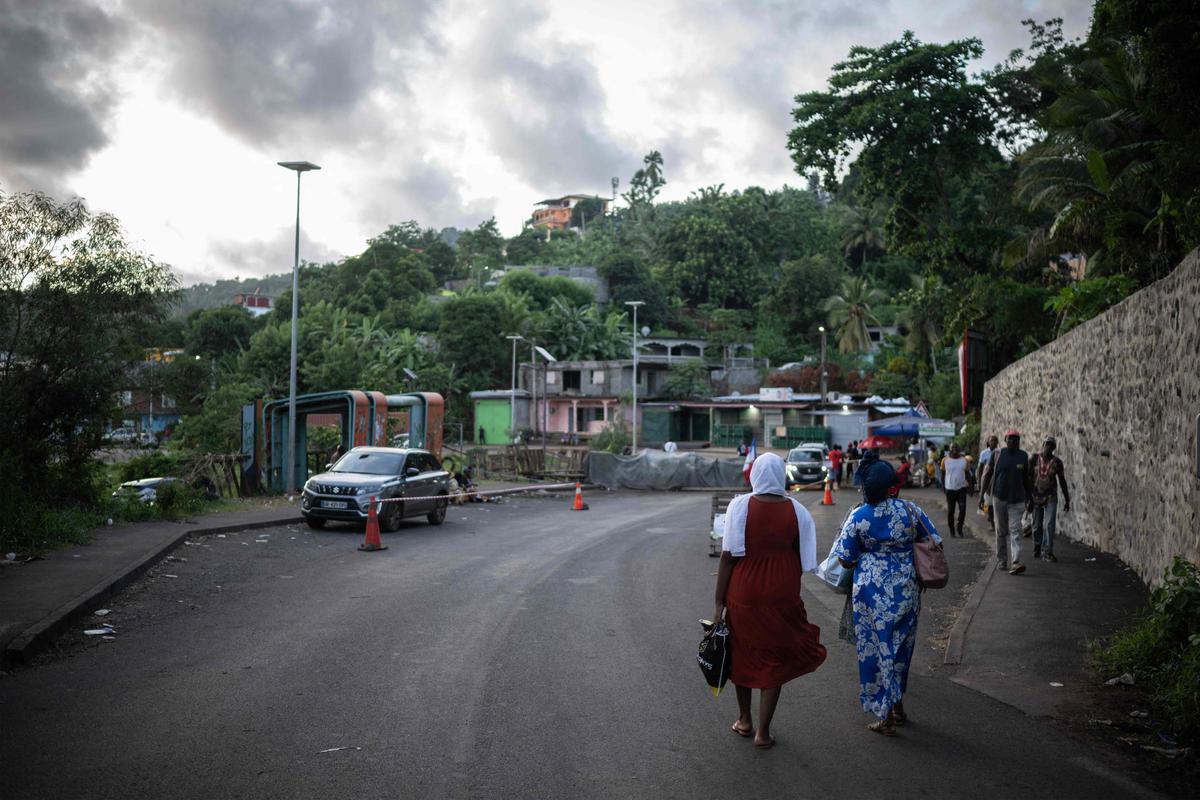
(879,538)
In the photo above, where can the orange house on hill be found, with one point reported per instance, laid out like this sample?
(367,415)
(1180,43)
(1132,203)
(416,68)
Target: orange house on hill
(555,213)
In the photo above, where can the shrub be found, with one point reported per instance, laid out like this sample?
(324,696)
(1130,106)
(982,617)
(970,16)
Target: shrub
(610,440)
(1163,650)
(177,499)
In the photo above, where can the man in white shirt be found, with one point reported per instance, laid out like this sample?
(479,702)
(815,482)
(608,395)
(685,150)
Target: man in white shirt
(954,478)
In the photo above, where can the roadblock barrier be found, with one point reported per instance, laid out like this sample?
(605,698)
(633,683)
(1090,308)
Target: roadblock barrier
(579,505)
(488,493)
(371,540)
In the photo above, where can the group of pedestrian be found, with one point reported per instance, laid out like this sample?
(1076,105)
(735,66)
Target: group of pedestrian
(1014,484)
(770,541)
(843,462)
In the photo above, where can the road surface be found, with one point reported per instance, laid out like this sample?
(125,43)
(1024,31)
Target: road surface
(519,651)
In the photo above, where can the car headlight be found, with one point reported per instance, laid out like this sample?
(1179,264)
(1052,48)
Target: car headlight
(370,489)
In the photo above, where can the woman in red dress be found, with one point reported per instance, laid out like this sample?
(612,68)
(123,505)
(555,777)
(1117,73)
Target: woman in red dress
(770,540)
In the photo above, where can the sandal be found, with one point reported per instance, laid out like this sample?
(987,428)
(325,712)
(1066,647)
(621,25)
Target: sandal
(765,744)
(745,733)
(883,727)
(899,718)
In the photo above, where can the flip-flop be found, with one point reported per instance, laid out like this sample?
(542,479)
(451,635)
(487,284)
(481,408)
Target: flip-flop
(743,732)
(768,743)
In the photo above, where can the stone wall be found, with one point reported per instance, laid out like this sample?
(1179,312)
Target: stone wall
(1121,393)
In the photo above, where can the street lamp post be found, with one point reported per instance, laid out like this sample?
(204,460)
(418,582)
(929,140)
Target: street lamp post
(299,167)
(512,394)
(634,305)
(823,373)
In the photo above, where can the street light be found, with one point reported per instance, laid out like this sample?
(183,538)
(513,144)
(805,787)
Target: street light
(634,305)
(512,394)
(299,167)
(823,373)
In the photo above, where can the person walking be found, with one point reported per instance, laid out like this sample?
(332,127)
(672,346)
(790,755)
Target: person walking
(770,541)
(877,541)
(835,462)
(954,480)
(1007,479)
(1048,474)
(989,452)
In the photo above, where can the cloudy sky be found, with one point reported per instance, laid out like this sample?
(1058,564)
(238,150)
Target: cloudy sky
(172,113)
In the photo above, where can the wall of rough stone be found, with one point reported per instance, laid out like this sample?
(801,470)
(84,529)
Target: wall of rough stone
(1121,393)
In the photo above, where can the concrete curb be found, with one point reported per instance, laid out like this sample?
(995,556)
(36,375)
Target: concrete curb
(37,636)
(958,633)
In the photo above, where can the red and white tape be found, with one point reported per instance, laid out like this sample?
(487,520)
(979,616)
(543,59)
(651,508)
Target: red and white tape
(479,493)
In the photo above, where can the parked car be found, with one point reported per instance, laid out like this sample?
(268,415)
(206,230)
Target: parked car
(343,493)
(806,464)
(145,490)
(121,435)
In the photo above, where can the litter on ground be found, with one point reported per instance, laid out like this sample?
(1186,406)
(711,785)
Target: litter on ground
(1122,680)
(100,612)
(106,630)
(335,749)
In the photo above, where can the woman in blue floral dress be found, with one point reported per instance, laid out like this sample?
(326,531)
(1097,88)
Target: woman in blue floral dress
(877,540)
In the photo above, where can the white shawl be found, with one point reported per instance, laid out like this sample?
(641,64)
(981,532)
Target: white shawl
(768,476)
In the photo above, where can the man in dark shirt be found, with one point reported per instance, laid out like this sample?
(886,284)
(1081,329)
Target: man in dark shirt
(1007,479)
(1047,474)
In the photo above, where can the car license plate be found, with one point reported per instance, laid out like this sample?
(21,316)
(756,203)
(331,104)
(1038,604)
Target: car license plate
(334,504)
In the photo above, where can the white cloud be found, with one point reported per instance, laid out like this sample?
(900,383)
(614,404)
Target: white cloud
(444,111)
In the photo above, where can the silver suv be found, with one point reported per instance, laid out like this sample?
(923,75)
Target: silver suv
(344,492)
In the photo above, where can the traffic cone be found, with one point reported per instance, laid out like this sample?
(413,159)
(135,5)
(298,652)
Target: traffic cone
(827,500)
(579,505)
(372,542)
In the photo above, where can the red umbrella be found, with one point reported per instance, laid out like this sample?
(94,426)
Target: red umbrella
(876,443)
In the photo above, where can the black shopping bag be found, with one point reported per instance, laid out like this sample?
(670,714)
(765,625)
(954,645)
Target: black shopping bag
(715,656)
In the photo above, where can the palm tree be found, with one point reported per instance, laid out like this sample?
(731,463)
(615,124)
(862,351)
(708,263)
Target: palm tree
(922,315)
(1095,170)
(862,230)
(850,313)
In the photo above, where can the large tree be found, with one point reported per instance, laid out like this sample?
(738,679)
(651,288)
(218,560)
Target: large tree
(75,303)
(919,132)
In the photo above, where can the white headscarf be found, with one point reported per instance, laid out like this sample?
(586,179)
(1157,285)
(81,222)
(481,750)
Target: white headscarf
(768,476)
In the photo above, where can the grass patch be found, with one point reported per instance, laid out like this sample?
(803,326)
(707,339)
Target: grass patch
(39,528)
(1162,651)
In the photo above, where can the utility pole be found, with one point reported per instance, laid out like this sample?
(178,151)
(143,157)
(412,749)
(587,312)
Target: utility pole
(824,375)
(512,395)
(634,305)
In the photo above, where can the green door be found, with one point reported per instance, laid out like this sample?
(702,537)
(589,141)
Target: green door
(492,418)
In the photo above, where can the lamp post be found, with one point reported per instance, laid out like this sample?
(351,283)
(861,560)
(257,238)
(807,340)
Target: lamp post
(823,373)
(512,394)
(299,167)
(634,305)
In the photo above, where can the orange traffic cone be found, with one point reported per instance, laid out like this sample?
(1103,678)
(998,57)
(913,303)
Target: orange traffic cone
(372,542)
(579,504)
(827,500)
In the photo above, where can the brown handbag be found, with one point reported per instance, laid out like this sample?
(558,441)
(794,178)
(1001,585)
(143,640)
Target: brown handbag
(933,572)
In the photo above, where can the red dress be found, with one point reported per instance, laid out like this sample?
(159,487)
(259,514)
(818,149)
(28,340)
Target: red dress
(771,637)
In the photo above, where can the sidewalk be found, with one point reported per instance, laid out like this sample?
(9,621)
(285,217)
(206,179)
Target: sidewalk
(1019,635)
(1015,635)
(39,598)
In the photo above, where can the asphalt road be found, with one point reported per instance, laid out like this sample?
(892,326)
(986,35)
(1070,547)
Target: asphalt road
(518,651)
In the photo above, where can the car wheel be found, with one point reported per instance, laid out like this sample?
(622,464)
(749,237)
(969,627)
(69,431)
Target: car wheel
(438,515)
(314,523)
(389,520)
